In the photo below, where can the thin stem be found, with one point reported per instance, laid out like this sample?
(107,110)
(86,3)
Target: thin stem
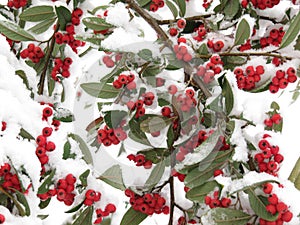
(192,18)
(172,200)
(48,56)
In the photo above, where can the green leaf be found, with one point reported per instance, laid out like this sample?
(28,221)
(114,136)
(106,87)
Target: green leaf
(297,45)
(67,151)
(295,172)
(94,39)
(42,217)
(42,26)
(136,134)
(292,32)
(170,137)
(228,94)
(155,155)
(83,177)
(132,217)
(263,87)
(37,13)
(44,204)
(151,71)
(203,50)
(14,32)
(113,177)
(87,156)
(21,198)
(23,76)
(75,208)
(227,216)
(242,32)
(163,102)
(154,123)
(100,90)
(236,60)
(96,23)
(64,16)
(182,7)
(63,115)
(173,8)
(47,183)
(145,54)
(24,134)
(143,3)
(85,218)
(197,194)
(275,106)
(231,8)
(114,118)
(155,176)
(258,203)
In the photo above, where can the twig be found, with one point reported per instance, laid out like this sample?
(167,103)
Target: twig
(172,200)
(192,18)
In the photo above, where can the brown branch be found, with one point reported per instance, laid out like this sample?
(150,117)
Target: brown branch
(48,56)
(172,200)
(192,18)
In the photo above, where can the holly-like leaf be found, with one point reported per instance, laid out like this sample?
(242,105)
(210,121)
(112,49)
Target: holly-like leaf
(155,176)
(37,13)
(85,218)
(292,32)
(132,217)
(14,32)
(173,8)
(197,194)
(228,94)
(258,203)
(227,216)
(47,183)
(114,118)
(64,16)
(96,23)
(113,177)
(154,123)
(87,156)
(242,32)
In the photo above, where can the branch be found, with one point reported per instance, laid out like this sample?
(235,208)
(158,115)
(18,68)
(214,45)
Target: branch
(172,200)
(48,56)
(192,18)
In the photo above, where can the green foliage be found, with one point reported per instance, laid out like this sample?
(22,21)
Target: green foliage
(113,177)
(87,156)
(14,32)
(96,23)
(242,32)
(156,175)
(85,217)
(64,16)
(292,32)
(100,90)
(227,216)
(37,13)
(46,183)
(198,193)
(132,217)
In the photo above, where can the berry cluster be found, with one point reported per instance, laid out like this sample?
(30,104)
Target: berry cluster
(274,38)
(180,176)
(275,206)
(215,46)
(9,180)
(182,53)
(246,46)
(167,112)
(156,4)
(140,160)
(148,203)
(180,25)
(147,99)
(263,4)
(91,196)
(210,69)
(47,112)
(108,136)
(109,62)
(34,53)
(247,79)
(44,146)
(68,36)
(282,79)
(2,218)
(200,33)
(277,61)
(61,67)
(109,208)
(268,159)
(182,221)
(63,191)
(16,3)
(4,124)
(125,80)
(214,201)
(275,119)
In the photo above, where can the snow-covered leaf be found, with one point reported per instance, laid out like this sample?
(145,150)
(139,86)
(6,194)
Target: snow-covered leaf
(258,203)
(47,183)
(114,118)
(292,32)
(75,208)
(37,13)
(87,156)
(227,216)
(25,134)
(22,199)
(96,23)
(113,177)
(67,151)
(14,32)
(83,177)
(202,50)
(85,218)
(156,175)
(44,204)
(63,115)
(23,76)
(132,217)
(197,194)
(242,32)
(154,123)
(64,16)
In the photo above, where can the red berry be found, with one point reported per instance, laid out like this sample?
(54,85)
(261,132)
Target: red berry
(281,207)
(218,172)
(70,179)
(47,112)
(47,131)
(181,23)
(267,188)
(263,144)
(278,158)
(111,208)
(291,71)
(2,218)
(271,209)
(50,146)
(172,89)
(287,216)
(41,140)
(283,83)
(273,199)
